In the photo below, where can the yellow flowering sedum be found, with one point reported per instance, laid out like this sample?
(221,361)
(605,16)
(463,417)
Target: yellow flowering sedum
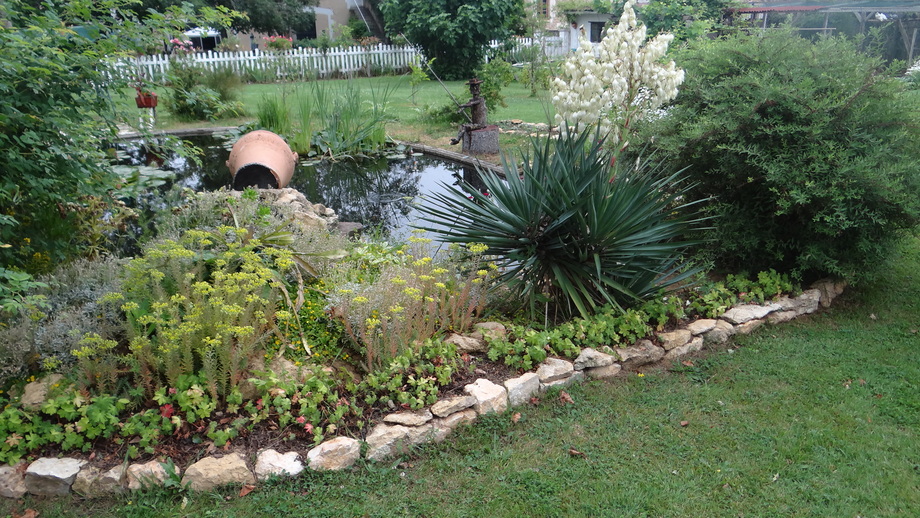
(620,79)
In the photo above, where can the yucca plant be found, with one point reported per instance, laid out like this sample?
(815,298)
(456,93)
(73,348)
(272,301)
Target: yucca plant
(572,230)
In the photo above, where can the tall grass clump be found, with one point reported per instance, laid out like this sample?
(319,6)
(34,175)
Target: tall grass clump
(808,150)
(571,230)
(330,119)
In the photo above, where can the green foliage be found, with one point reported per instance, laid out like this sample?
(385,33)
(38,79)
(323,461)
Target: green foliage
(394,299)
(808,149)
(685,19)
(200,94)
(495,75)
(50,96)
(330,121)
(201,304)
(15,298)
(55,110)
(571,229)
(768,286)
(418,74)
(412,379)
(453,32)
(524,348)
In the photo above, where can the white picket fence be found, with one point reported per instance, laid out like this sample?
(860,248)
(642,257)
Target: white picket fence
(522,48)
(289,64)
(303,63)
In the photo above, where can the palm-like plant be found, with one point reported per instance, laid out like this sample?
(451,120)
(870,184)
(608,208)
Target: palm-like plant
(573,230)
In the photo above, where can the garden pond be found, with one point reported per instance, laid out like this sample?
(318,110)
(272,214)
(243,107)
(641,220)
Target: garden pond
(379,193)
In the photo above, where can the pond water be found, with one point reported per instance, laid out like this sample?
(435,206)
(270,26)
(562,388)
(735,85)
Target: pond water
(379,193)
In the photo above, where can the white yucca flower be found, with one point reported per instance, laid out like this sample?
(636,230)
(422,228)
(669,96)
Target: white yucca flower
(626,80)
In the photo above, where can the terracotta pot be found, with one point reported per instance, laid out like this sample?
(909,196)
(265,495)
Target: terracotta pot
(261,159)
(146,99)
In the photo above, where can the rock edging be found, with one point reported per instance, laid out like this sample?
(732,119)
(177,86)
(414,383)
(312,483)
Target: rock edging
(401,430)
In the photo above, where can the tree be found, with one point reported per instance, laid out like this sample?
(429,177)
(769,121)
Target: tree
(56,112)
(685,19)
(268,16)
(455,33)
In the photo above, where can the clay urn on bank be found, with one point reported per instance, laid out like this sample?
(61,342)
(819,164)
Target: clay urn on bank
(261,159)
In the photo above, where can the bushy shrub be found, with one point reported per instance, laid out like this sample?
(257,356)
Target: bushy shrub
(200,94)
(809,150)
(572,229)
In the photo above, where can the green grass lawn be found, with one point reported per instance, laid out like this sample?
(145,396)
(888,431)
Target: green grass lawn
(411,122)
(817,417)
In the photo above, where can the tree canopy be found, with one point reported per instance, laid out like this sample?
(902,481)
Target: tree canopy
(455,33)
(268,16)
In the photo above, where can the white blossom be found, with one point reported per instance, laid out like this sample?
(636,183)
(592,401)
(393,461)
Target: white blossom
(616,82)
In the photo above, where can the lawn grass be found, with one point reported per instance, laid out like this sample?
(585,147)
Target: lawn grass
(816,417)
(411,122)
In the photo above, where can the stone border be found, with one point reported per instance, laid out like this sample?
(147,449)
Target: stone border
(401,430)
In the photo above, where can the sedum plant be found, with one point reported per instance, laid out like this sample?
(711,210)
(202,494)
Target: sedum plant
(572,229)
(201,304)
(616,82)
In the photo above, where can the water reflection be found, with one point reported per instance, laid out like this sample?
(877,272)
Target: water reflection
(378,192)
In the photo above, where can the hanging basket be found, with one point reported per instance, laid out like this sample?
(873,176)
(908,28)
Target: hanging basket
(146,100)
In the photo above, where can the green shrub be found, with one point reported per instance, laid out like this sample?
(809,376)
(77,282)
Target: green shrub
(200,94)
(572,229)
(495,75)
(808,149)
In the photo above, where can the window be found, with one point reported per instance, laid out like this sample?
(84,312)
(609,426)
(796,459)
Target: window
(597,31)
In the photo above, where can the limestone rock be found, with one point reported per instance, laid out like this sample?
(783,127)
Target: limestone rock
(807,302)
(210,473)
(50,477)
(420,434)
(692,346)
(35,393)
(554,369)
(409,418)
(112,481)
(309,219)
(271,463)
(443,427)
(386,440)
(600,373)
(698,327)
(829,290)
(642,353)
(590,358)
(488,330)
(467,344)
(779,317)
(720,333)
(675,338)
(489,396)
(147,474)
(748,327)
(12,483)
(83,484)
(741,314)
(522,388)
(564,382)
(448,406)
(335,454)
